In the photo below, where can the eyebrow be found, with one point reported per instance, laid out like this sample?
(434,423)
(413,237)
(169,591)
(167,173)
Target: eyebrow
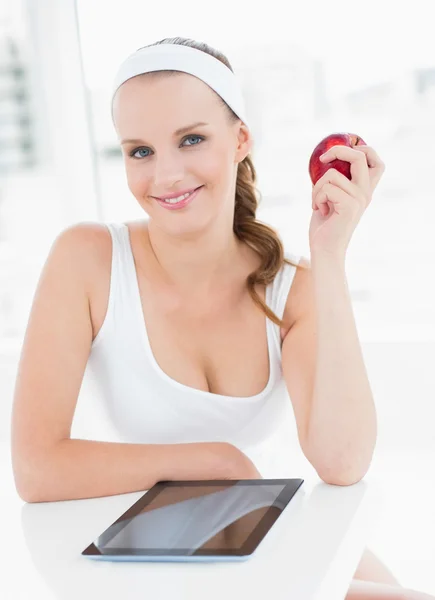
(176,133)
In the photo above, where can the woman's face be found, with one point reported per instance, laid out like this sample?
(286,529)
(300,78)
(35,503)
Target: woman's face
(161,161)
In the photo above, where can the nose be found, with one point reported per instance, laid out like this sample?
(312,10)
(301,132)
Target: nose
(168,170)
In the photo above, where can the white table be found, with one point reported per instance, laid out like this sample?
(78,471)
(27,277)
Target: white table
(311,552)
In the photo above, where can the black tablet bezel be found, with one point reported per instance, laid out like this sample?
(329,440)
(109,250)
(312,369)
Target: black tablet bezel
(291,486)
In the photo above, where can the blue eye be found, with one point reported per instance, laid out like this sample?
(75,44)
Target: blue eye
(188,137)
(138,150)
(198,137)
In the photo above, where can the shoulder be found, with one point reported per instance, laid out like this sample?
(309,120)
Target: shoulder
(84,237)
(82,233)
(88,243)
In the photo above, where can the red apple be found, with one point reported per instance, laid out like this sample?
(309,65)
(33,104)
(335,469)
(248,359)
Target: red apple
(317,168)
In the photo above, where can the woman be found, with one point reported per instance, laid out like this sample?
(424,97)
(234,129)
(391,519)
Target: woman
(170,312)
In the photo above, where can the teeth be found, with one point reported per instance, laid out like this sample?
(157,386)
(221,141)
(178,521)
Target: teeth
(179,199)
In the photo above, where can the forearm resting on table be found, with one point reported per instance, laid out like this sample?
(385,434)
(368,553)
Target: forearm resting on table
(343,422)
(76,468)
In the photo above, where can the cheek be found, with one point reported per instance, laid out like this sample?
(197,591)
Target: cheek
(137,181)
(214,165)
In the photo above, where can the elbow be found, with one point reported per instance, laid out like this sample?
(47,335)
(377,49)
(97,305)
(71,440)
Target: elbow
(30,495)
(33,492)
(28,479)
(21,484)
(342,472)
(24,491)
(26,497)
(340,477)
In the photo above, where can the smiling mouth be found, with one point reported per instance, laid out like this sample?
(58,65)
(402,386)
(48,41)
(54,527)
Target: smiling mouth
(189,194)
(185,201)
(181,199)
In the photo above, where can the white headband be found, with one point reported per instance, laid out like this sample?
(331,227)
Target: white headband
(165,57)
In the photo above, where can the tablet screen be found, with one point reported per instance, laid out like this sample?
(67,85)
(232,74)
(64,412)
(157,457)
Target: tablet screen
(198,517)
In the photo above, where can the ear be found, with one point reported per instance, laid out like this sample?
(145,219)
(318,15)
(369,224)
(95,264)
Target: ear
(245,142)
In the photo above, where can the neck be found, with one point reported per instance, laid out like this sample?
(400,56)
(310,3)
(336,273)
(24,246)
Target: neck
(199,264)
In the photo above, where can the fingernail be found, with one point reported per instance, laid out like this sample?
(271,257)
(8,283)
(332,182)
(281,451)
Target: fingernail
(323,156)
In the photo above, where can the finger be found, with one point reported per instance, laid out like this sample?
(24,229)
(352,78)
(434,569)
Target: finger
(326,208)
(324,205)
(373,159)
(375,164)
(337,198)
(359,170)
(338,179)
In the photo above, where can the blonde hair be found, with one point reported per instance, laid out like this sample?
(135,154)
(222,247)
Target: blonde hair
(262,238)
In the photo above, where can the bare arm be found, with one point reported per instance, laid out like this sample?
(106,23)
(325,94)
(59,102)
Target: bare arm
(343,422)
(47,464)
(75,468)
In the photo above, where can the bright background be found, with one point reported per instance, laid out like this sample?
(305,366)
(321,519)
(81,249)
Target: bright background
(307,69)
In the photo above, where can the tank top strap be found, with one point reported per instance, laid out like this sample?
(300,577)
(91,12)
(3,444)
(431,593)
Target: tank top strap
(278,294)
(282,284)
(118,257)
(120,290)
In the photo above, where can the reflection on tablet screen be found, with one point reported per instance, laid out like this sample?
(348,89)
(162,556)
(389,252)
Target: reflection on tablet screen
(212,517)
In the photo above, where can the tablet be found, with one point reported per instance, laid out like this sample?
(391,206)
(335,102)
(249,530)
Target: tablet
(210,520)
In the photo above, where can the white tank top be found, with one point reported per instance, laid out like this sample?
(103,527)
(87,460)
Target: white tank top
(145,405)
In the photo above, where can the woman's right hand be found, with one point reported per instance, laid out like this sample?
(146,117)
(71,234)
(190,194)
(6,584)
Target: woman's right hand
(233,463)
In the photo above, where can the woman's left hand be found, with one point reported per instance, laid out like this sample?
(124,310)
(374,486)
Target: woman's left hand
(339,203)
